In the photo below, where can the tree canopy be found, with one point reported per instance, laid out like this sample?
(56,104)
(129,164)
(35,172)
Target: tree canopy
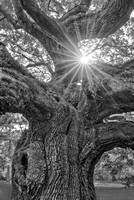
(24,25)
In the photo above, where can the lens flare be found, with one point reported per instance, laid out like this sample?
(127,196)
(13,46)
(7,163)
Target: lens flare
(84,60)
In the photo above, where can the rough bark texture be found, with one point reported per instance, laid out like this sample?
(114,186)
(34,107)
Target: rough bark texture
(55,158)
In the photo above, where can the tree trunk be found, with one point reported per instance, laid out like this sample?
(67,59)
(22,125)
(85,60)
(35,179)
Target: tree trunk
(55,160)
(46,163)
(113,178)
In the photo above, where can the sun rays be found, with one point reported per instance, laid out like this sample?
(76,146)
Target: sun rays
(79,63)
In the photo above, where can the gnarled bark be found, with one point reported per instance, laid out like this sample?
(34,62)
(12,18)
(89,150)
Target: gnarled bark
(56,160)
(103,23)
(21,92)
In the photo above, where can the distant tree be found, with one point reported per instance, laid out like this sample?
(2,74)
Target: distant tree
(11,127)
(118,163)
(67,101)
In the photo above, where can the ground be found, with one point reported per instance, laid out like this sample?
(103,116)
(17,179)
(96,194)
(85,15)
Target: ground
(5,190)
(104,191)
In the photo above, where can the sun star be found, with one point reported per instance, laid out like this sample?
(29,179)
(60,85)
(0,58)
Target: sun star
(84,60)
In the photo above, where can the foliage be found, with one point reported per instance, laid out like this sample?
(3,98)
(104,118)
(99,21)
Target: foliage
(116,165)
(11,127)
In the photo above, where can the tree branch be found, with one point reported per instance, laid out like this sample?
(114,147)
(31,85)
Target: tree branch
(47,24)
(105,137)
(115,134)
(81,8)
(109,95)
(86,3)
(113,70)
(2,19)
(21,92)
(58,52)
(106,102)
(103,23)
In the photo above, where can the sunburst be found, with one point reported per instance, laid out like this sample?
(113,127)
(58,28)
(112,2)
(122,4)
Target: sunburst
(84,60)
(81,63)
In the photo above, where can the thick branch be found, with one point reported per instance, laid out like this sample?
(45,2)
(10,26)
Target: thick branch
(109,95)
(105,137)
(116,134)
(20,92)
(102,23)
(113,70)
(47,24)
(108,103)
(59,53)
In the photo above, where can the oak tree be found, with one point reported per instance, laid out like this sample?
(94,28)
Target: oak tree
(68,115)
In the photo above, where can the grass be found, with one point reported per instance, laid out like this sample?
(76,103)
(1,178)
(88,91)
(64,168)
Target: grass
(5,191)
(103,193)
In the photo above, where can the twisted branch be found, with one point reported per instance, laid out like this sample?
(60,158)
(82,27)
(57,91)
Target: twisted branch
(105,137)
(102,23)
(21,92)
